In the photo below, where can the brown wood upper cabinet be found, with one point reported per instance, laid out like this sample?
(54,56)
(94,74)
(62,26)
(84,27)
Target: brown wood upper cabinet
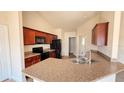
(29,36)
(100,34)
(38,33)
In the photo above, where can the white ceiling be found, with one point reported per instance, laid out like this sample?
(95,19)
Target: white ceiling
(68,20)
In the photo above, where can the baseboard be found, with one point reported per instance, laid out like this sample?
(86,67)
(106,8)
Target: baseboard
(115,60)
(17,78)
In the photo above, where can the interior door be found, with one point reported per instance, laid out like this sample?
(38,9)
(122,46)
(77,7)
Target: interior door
(4,53)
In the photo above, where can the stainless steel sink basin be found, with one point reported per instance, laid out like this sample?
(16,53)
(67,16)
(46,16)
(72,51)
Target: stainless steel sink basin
(78,61)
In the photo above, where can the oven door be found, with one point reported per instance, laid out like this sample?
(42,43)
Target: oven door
(44,55)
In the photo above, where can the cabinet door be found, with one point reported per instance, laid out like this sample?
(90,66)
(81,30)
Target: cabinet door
(36,59)
(48,39)
(28,62)
(29,36)
(100,34)
(38,33)
(102,30)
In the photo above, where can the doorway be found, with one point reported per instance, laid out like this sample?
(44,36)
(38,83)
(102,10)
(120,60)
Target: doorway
(72,47)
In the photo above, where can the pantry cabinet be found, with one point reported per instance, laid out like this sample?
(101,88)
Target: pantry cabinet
(100,34)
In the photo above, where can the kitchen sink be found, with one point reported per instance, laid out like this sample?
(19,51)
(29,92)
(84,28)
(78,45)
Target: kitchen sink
(83,61)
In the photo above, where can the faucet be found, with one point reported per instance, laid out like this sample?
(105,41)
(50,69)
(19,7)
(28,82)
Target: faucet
(85,56)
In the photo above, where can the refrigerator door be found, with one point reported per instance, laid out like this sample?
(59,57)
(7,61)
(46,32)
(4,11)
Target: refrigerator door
(56,44)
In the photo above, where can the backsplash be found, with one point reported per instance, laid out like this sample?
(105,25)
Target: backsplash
(29,47)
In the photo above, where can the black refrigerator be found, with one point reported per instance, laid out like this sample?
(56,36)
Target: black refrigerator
(56,44)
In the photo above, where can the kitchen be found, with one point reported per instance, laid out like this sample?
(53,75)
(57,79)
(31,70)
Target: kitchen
(43,52)
(99,40)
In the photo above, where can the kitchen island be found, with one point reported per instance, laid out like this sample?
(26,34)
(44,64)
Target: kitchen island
(64,70)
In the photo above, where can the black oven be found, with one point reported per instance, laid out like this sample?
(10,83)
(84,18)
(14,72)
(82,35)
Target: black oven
(40,40)
(44,55)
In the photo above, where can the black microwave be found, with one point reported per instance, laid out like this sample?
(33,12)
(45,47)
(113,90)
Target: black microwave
(40,40)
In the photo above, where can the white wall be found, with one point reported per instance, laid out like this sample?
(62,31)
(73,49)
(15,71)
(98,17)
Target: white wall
(59,32)
(121,40)
(35,21)
(16,44)
(85,30)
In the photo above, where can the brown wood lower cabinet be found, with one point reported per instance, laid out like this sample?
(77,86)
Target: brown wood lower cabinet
(35,59)
(52,54)
(32,60)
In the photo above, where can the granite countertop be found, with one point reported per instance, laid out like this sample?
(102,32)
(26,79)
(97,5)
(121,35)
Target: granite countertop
(30,54)
(63,70)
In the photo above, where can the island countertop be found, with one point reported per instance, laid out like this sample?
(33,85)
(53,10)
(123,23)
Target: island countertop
(64,70)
